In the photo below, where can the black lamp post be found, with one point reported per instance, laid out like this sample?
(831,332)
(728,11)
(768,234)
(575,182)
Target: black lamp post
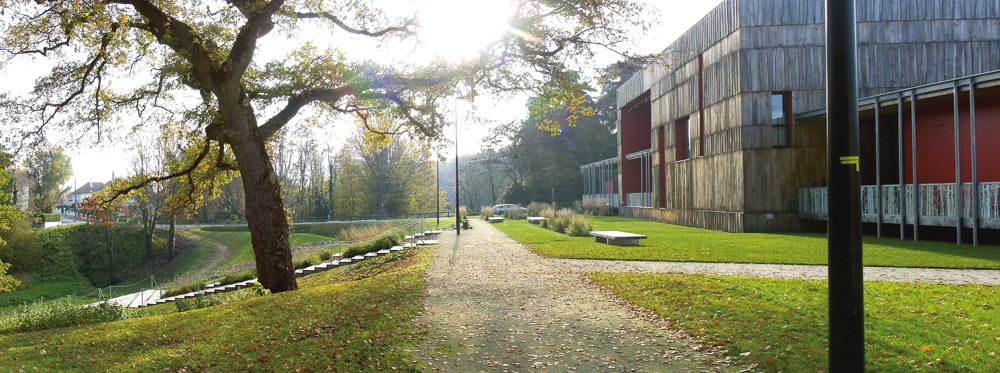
(458,214)
(847,338)
(437,184)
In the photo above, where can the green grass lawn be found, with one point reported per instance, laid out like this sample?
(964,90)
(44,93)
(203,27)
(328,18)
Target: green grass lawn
(241,250)
(668,242)
(782,324)
(355,318)
(48,290)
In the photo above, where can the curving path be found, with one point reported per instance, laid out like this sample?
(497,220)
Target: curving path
(494,306)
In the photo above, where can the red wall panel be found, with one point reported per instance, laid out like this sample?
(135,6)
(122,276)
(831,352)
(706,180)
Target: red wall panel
(635,127)
(936,141)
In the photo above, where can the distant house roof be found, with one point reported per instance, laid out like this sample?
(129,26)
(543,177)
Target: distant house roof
(89,188)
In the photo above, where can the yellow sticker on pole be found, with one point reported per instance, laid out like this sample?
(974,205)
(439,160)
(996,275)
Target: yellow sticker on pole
(852,159)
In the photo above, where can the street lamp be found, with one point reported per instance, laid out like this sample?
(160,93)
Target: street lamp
(458,214)
(437,184)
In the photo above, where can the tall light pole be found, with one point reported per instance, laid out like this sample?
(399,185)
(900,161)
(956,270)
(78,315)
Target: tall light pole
(437,184)
(846,284)
(458,215)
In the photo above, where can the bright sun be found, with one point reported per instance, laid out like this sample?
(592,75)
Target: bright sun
(459,29)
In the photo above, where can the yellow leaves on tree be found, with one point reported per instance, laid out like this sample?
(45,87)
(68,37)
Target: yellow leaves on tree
(186,191)
(562,101)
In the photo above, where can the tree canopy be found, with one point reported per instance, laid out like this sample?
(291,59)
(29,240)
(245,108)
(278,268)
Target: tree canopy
(9,216)
(47,170)
(196,67)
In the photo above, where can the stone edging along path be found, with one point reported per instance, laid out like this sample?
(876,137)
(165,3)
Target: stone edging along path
(787,271)
(298,273)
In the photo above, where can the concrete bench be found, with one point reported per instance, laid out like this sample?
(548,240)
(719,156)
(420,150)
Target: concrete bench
(617,238)
(536,219)
(495,219)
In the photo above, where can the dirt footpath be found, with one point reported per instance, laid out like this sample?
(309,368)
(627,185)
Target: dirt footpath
(494,306)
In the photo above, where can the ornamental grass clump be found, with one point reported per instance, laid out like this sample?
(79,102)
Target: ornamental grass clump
(514,212)
(595,206)
(557,221)
(579,227)
(536,208)
(485,212)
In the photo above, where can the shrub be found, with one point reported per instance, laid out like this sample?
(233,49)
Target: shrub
(579,227)
(226,228)
(18,245)
(383,243)
(514,212)
(325,255)
(185,288)
(233,278)
(51,217)
(310,261)
(41,315)
(596,206)
(536,208)
(485,212)
(204,301)
(565,221)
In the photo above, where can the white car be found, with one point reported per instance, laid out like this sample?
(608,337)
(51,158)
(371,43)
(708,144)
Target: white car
(501,209)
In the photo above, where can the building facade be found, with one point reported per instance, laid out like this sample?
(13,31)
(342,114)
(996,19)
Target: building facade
(728,130)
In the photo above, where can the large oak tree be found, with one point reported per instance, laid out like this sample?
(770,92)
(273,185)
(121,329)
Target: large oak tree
(196,65)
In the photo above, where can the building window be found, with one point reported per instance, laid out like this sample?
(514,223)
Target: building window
(682,139)
(781,118)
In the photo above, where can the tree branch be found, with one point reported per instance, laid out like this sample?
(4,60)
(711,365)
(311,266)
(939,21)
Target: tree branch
(297,102)
(179,37)
(405,29)
(185,172)
(258,24)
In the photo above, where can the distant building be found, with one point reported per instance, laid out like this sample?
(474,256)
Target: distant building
(74,199)
(730,133)
(22,191)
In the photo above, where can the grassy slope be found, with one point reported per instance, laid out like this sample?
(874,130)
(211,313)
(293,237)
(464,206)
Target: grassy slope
(241,250)
(678,243)
(782,323)
(349,319)
(48,290)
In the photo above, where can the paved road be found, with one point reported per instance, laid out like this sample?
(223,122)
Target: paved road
(492,305)
(817,272)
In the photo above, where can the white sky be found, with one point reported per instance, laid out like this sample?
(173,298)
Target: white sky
(98,162)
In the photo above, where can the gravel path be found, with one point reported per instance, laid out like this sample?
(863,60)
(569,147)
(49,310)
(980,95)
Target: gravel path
(817,272)
(494,306)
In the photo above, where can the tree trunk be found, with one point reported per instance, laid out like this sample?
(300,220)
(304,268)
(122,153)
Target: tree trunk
(265,213)
(148,230)
(171,235)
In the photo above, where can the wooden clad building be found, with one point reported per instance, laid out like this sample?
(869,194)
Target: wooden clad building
(725,131)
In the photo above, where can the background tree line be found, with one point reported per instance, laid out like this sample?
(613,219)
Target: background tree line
(538,158)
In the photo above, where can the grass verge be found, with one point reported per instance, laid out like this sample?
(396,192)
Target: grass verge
(350,319)
(781,324)
(669,242)
(241,250)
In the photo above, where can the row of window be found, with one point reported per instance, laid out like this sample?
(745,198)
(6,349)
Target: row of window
(781,114)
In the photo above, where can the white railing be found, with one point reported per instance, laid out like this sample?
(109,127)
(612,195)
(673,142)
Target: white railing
(639,199)
(609,199)
(938,203)
(812,202)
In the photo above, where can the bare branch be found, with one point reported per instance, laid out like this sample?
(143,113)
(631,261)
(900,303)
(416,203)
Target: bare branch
(405,29)
(185,172)
(297,102)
